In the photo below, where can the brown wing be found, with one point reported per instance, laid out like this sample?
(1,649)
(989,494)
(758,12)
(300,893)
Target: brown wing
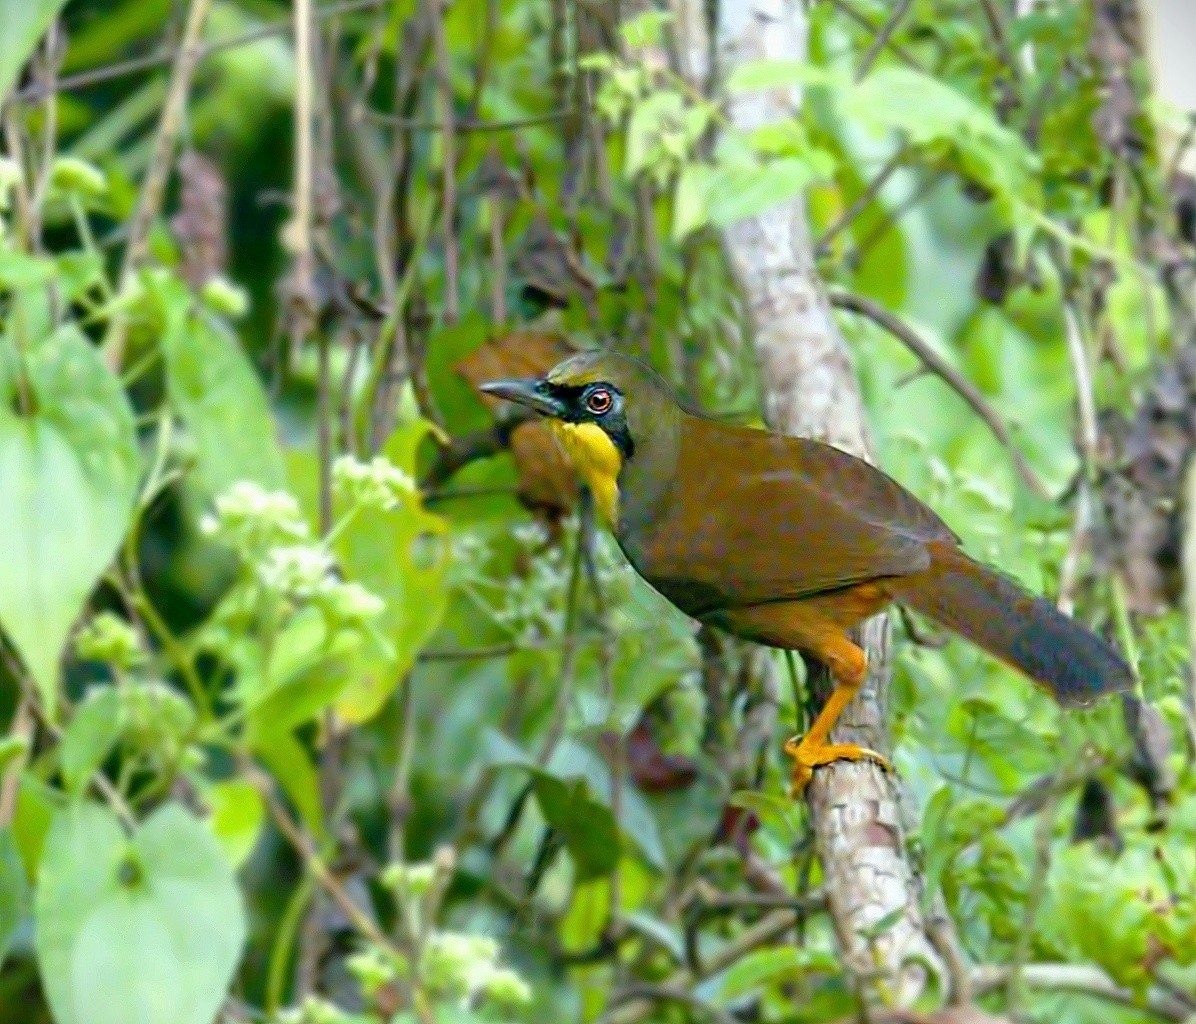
(765,517)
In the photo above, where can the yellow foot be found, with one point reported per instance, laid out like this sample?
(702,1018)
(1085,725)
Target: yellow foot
(808,756)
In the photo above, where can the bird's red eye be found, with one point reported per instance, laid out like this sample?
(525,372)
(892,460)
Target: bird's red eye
(598,401)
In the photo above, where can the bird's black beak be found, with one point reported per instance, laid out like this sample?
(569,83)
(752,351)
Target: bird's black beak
(530,392)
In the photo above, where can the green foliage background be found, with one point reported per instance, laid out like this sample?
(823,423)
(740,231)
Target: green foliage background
(293,738)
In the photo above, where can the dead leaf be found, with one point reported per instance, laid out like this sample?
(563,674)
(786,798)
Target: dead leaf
(549,266)
(547,483)
(200,225)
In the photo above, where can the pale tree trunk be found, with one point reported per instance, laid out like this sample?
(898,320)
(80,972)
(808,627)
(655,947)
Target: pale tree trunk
(809,388)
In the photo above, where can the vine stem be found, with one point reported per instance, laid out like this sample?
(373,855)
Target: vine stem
(153,190)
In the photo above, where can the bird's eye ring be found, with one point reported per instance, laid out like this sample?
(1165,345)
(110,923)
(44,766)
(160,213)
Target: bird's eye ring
(598,401)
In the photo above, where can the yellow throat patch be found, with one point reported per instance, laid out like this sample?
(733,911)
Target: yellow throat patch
(596,460)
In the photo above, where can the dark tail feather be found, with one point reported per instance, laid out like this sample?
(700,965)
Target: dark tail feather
(1027,632)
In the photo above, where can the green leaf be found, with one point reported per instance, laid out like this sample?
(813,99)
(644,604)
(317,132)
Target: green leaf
(308,670)
(93,731)
(402,556)
(140,930)
(70,470)
(573,791)
(587,826)
(216,391)
(930,112)
(12,747)
(775,811)
(689,200)
(288,762)
(20,272)
(650,121)
(778,74)
(37,803)
(763,967)
(14,890)
(24,25)
(739,191)
(644,29)
(238,813)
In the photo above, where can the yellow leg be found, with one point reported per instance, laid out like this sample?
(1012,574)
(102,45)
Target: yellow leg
(812,750)
(819,626)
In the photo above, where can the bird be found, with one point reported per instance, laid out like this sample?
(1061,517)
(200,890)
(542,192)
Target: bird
(790,542)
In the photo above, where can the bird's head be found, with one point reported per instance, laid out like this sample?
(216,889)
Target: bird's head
(605,409)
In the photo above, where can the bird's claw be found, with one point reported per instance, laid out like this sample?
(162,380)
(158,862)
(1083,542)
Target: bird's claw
(808,756)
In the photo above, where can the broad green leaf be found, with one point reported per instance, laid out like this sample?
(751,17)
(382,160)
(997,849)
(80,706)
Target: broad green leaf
(37,803)
(238,813)
(649,121)
(775,811)
(145,929)
(928,111)
(19,271)
(288,762)
(659,931)
(573,791)
(402,556)
(739,191)
(777,74)
(93,731)
(12,747)
(14,890)
(689,200)
(25,22)
(770,966)
(308,669)
(70,469)
(216,391)
(644,29)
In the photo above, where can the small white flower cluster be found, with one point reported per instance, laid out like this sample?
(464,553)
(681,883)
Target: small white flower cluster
(409,879)
(299,572)
(465,968)
(314,1010)
(533,603)
(351,603)
(377,484)
(267,531)
(531,535)
(251,520)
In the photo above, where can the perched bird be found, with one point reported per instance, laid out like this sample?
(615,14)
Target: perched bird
(790,542)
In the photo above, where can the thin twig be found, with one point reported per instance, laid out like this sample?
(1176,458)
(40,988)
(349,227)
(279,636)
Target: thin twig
(564,695)
(882,39)
(1085,396)
(98,76)
(304,846)
(53,56)
(865,199)
(939,366)
(1014,981)
(153,189)
(765,931)
(643,991)
(861,20)
(469,125)
(1083,980)
(448,155)
(21,728)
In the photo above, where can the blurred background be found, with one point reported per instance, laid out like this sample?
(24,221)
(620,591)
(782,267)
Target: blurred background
(323,699)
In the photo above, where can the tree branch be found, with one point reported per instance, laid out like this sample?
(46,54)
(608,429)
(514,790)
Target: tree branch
(947,373)
(153,190)
(810,389)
